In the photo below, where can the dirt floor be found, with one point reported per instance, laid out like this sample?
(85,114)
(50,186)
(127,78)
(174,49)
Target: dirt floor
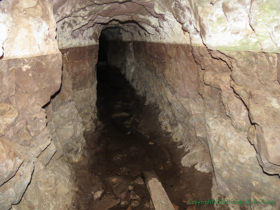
(128,140)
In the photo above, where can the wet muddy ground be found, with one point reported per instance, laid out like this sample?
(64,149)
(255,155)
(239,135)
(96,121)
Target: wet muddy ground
(128,140)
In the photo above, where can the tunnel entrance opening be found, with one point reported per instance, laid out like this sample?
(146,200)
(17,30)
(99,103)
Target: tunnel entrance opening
(128,140)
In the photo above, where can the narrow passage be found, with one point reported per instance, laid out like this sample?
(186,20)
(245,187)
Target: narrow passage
(127,142)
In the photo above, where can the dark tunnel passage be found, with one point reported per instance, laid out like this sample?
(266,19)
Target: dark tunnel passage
(103,47)
(128,140)
(95,93)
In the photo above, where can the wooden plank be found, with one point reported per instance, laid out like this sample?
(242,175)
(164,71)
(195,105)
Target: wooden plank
(159,197)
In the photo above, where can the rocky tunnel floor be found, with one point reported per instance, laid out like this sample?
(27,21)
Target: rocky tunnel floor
(128,140)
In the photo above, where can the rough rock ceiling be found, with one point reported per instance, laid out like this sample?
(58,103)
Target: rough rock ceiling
(83,21)
(220,24)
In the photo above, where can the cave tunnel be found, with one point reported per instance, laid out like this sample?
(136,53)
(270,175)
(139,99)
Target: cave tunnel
(130,141)
(96,95)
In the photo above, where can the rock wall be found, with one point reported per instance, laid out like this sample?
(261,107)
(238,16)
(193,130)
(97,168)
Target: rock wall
(33,168)
(40,135)
(69,113)
(27,28)
(26,144)
(219,24)
(213,105)
(80,65)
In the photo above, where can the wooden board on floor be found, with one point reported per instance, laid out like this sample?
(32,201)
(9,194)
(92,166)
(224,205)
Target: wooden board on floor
(159,197)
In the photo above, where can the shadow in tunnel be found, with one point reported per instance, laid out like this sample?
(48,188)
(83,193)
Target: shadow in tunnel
(128,141)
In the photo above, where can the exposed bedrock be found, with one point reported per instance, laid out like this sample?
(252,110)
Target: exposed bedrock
(79,64)
(213,104)
(26,145)
(211,66)
(34,173)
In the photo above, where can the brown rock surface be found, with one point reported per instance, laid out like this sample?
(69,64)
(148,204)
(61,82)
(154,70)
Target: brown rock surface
(13,190)
(106,203)
(26,86)
(10,161)
(211,108)
(79,63)
(8,115)
(261,97)
(28,28)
